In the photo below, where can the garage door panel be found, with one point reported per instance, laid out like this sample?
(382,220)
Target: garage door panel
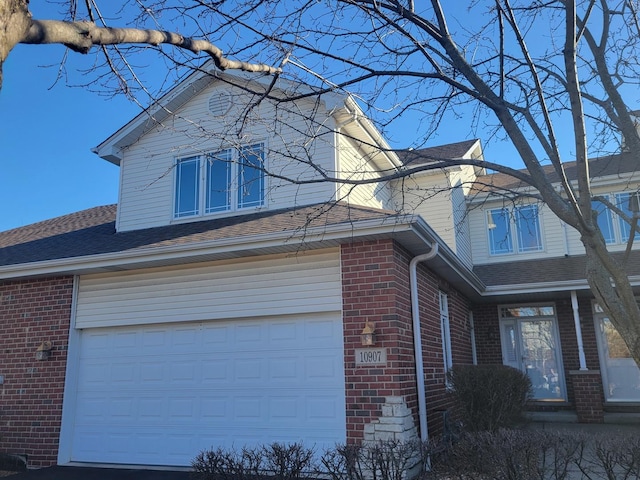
(180,388)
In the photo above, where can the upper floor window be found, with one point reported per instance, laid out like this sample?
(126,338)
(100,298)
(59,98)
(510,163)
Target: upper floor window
(227,180)
(514,229)
(613,227)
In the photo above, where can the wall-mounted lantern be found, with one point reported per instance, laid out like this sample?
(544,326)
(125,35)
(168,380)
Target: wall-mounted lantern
(368,335)
(43,352)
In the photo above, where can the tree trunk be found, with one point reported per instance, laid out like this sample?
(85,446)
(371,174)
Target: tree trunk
(610,286)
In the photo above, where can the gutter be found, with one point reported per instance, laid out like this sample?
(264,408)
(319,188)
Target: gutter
(417,337)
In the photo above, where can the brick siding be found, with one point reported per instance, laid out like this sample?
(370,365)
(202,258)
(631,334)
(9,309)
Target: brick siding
(31,312)
(375,286)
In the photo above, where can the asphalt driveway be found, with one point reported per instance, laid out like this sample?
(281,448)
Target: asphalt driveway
(97,473)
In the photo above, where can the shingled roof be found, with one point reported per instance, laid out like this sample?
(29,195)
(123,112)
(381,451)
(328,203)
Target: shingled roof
(620,164)
(92,231)
(434,154)
(546,270)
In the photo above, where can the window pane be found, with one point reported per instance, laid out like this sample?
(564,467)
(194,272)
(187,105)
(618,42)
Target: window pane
(218,182)
(499,228)
(528,227)
(445,330)
(251,177)
(622,202)
(534,311)
(605,221)
(187,186)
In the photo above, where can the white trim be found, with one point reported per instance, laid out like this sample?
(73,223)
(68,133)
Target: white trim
(70,382)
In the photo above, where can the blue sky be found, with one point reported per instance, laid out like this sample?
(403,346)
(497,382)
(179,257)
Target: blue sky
(47,132)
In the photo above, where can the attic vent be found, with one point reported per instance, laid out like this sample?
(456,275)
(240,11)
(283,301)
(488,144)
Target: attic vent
(219,103)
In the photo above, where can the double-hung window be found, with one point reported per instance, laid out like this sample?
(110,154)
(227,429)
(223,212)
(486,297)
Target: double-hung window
(227,180)
(514,229)
(613,227)
(622,202)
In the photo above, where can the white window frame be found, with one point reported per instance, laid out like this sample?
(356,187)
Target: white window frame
(617,224)
(513,238)
(445,330)
(234,171)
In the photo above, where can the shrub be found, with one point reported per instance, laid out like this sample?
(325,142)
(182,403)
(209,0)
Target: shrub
(489,397)
(277,460)
(386,460)
(512,455)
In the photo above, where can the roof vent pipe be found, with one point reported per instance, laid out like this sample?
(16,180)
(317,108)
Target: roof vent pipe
(417,338)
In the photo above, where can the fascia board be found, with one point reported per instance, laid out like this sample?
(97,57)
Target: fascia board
(152,115)
(448,256)
(544,287)
(186,251)
(372,132)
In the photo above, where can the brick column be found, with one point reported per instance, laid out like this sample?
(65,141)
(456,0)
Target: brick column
(588,394)
(375,288)
(32,312)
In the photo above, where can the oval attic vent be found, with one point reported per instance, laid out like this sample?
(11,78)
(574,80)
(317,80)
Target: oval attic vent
(219,103)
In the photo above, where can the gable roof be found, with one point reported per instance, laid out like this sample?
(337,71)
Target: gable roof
(441,152)
(111,149)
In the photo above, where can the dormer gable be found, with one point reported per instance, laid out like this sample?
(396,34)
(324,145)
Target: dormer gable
(228,144)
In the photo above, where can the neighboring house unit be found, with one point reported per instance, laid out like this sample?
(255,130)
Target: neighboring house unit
(223,301)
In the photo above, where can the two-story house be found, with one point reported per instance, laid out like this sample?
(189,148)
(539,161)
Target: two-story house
(231,295)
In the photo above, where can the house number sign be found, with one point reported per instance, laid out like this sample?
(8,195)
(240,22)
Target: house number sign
(371,356)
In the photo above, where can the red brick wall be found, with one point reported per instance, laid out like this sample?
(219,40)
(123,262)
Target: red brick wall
(375,285)
(589,395)
(487,333)
(31,312)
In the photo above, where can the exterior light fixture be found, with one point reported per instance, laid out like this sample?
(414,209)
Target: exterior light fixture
(43,352)
(368,335)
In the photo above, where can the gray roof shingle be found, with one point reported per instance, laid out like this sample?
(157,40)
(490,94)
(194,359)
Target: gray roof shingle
(621,164)
(92,231)
(546,270)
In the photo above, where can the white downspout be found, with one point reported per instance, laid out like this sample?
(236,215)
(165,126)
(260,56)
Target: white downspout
(576,323)
(417,338)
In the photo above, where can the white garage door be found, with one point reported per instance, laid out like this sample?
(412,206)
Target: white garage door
(158,394)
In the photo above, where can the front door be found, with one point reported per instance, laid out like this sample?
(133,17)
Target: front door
(530,343)
(620,374)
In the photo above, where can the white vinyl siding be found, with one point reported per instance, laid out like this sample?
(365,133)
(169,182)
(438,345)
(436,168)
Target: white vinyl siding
(147,168)
(461,227)
(551,230)
(278,284)
(558,239)
(355,165)
(428,195)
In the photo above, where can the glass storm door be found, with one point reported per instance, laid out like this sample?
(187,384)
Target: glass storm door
(620,374)
(530,343)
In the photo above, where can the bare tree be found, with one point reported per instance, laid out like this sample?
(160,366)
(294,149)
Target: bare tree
(525,70)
